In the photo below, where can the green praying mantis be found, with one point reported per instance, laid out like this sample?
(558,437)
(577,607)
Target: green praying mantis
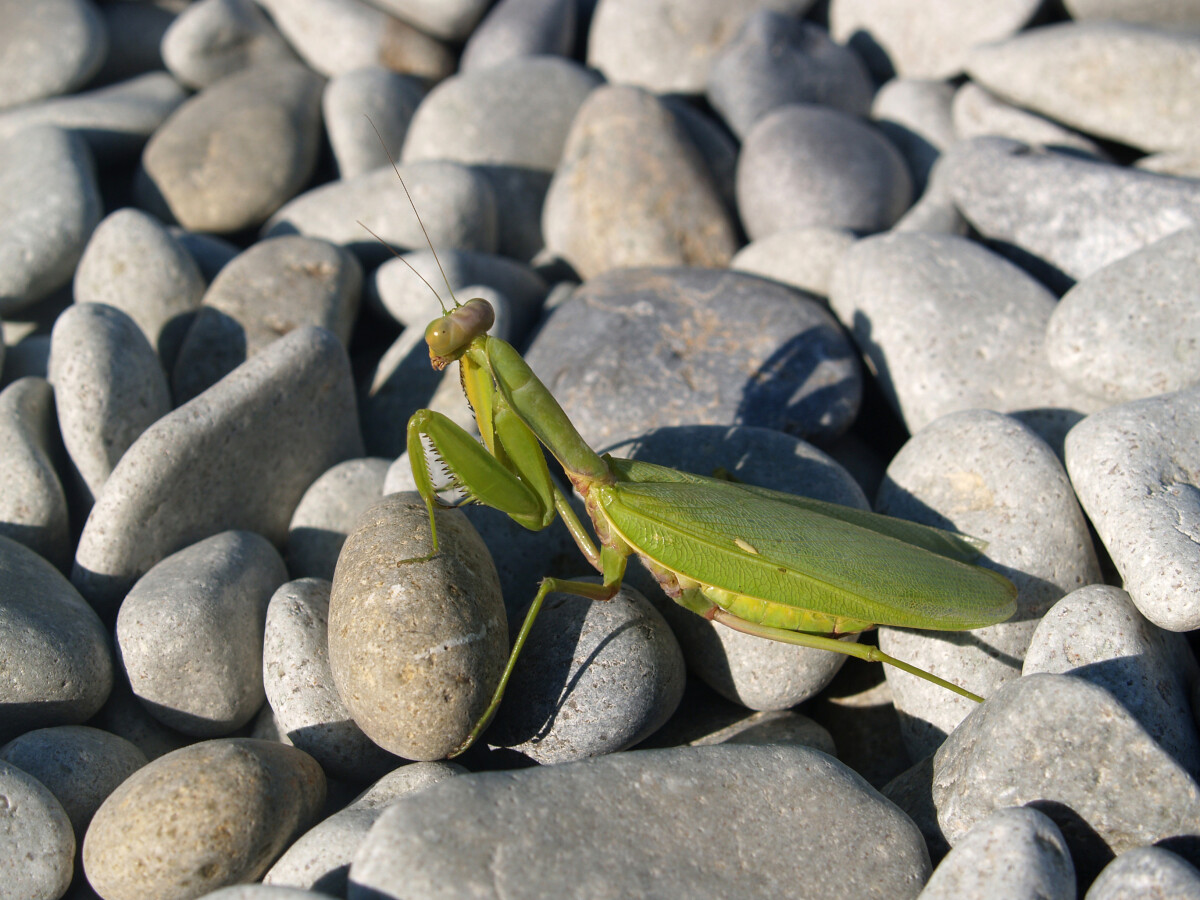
(763,562)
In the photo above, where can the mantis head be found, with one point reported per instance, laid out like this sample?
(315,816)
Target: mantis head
(449,336)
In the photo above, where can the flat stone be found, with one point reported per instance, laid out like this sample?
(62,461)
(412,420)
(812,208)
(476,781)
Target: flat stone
(197,168)
(519,28)
(648,44)
(320,859)
(213,39)
(49,48)
(977,113)
(299,685)
(133,263)
(777,59)
(1133,467)
(1146,871)
(33,507)
(109,387)
(694,346)
(367,113)
(238,456)
(804,258)
(1067,748)
(55,650)
(915,115)
(37,846)
(80,765)
(795,810)
(49,204)
(416,645)
(327,513)
(633,190)
(1141,86)
(273,288)
(115,121)
(1097,634)
(803,165)
(948,325)
(1014,852)
(1132,329)
(213,814)
(988,476)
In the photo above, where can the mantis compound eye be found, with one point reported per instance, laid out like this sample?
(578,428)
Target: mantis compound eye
(449,336)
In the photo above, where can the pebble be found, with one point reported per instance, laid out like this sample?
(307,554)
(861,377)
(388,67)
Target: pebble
(196,169)
(80,765)
(327,513)
(978,113)
(278,285)
(804,258)
(804,165)
(300,688)
(1066,216)
(215,595)
(914,114)
(55,651)
(520,28)
(1039,70)
(115,120)
(1132,329)
(213,814)
(37,846)
(631,823)
(367,112)
(49,48)
(1095,633)
(33,507)
(991,477)
(948,325)
(1072,751)
(109,387)
(133,263)
(650,45)
(336,36)
(1133,467)
(416,646)
(640,349)
(238,456)
(320,859)
(49,204)
(778,59)
(457,204)
(1016,852)
(212,39)
(915,39)
(1146,872)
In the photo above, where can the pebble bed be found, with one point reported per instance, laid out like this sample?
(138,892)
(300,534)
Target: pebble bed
(937,260)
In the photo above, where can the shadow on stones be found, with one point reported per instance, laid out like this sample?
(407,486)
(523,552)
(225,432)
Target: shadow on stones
(1089,851)
(215,345)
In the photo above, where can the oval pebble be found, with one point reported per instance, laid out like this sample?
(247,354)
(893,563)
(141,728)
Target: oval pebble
(803,165)
(1015,852)
(327,513)
(196,168)
(1133,467)
(416,645)
(214,593)
(49,204)
(1097,634)
(804,258)
(134,264)
(238,456)
(367,113)
(299,684)
(320,859)
(212,39)
(638,349)
(109,386)
(37,846)
(990,477)
(213,814)
(80,765)
(520,28)
(1146,872)
(53,648)
(33,506)
(794,810)
(273,288)
(49,48)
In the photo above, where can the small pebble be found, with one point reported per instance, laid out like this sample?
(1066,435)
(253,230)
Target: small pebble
(327,513)
(212,39)
(416,645)
(519,28)
(977,113)
(367,112)
(190,633)
(50,48)
(213,814)
(1146,872)
(805,258)
(1133,467)
(37,846)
